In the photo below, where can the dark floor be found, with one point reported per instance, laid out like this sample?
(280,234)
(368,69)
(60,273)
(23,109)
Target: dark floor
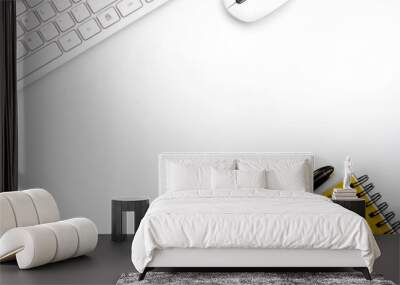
(106,264)
(103,266)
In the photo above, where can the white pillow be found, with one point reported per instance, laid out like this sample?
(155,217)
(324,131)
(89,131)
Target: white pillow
(251,178)
(282,174)
(223,179)
(237,179)
(188,177)
(293,178)
(193,173)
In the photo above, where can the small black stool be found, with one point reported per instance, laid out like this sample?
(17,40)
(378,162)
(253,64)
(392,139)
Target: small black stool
(119,207)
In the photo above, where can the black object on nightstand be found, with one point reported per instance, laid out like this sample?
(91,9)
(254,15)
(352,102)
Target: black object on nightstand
(119,207)
(357,206)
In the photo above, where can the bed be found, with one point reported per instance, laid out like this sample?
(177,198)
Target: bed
(247,210)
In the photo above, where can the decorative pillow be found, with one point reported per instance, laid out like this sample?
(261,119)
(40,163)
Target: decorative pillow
(293,178)
(189,174)
(251,178)
(188,177)
(223,179)
(282,174)
(237,179)
(218,163)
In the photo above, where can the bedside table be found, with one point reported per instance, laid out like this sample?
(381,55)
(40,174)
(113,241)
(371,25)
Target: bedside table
(119,207)
(357,206)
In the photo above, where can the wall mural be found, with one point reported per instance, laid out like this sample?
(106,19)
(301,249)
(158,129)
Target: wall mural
(51,33)
(252,10)
(377,213)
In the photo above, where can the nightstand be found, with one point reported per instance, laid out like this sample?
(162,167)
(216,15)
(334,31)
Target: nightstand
(119,207)
(357,206)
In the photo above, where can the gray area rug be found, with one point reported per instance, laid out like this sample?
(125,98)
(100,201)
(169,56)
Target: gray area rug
(269,278)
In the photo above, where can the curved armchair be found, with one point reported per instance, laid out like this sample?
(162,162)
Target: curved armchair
(31,231)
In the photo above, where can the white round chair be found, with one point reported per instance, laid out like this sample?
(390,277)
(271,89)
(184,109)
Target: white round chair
(31,231)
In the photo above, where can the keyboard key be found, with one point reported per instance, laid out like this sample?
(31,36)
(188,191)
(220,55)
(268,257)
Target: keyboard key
(97,5)
(126,7)
(30,21)
(20,31)
(108,17)
(49,31)
(45,11)
(37,60)
(70,41)
(20,7)
(61,5)
(33,3)
(33,40)
(65,22)
(21,50)
(89,29)
(80,13)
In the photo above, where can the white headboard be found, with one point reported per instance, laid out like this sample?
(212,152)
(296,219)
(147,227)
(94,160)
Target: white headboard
(165,157)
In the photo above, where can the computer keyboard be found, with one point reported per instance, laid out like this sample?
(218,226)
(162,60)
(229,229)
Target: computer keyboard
(52,32)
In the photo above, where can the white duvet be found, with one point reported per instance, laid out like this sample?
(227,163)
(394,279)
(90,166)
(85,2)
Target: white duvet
(250,219)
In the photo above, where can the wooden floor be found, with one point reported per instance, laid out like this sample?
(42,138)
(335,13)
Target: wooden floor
(103,266)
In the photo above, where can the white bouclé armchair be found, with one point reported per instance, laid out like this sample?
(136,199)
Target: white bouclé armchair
(31,231)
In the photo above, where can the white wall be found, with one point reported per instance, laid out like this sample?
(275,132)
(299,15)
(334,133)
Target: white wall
(320,76)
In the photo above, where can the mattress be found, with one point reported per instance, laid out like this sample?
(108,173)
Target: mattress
(250,219)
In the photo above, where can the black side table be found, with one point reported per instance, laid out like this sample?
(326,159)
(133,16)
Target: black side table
(119,207)
(357,206)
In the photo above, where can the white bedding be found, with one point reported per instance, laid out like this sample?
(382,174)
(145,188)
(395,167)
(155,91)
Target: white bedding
(251,218)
